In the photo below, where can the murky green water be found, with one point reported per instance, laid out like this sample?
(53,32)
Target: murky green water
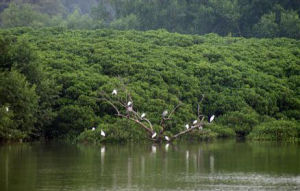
(222,165)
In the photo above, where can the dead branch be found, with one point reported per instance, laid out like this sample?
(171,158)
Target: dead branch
(124,107)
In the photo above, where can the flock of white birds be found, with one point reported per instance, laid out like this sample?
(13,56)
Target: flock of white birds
(143,115)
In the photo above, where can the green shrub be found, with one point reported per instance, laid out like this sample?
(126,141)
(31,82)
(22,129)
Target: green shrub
(120,131)
(276,130)
(222,131)
(241,122)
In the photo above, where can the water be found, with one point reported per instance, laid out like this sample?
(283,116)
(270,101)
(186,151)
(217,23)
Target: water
(222,165)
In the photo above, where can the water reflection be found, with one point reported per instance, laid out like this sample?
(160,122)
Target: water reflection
(212,163)
(182,166)
(153,149)
(102,150)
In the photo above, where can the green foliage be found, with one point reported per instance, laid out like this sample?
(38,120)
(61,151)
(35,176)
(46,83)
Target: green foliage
(267,27)
(17,94)
(18,15)
(78,21)
(19,56)
(276,130)
(204,135)
(256,18)
(125,23)
(115,132)
(241,122)
(73,119)
(222,131)
(288,25)
(245,81)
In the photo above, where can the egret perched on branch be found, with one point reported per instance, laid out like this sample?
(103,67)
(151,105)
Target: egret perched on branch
(165,113)
(7,109)
(93,128)
(195,122)
(211,118)
(153,135)
(102,133)
(167,138)
(129,104)
(187,126)
(143,115)
(114,92)
(200,127)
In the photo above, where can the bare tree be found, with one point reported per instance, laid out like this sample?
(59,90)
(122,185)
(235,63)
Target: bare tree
(124,107)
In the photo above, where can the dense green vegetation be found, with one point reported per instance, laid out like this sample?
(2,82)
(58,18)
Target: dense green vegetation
(247,18)
(50,79)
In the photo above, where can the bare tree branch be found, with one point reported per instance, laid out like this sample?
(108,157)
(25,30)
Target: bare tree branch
(138,122)
(175,108)
(125,110)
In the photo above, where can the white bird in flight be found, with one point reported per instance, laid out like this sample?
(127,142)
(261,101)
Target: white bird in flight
(187,126)
(195,122)
(143,115)
(211,118)
(102,133)
(114,92)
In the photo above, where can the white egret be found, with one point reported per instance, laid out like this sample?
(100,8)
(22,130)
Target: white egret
(167,138)
(195,122)
(114,92)
(153,135)
(7,109)
(211,118)
(93,128)
(143,115)
(187,126)
(129,104)
(102,133)
(165,113)
(200,127)
(129,109)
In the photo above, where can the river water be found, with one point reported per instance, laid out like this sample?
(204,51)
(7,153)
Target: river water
(220,165)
